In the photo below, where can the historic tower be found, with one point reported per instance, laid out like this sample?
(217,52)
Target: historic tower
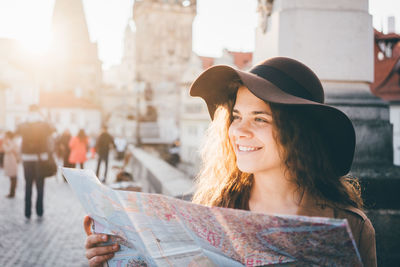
(163,38)
(74,61)
(163,51)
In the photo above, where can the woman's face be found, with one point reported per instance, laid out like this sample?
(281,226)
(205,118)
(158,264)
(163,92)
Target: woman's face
(251,134)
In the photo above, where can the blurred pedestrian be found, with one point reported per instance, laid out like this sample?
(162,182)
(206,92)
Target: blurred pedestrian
(1,148)
(64,150)
(79,147)
(35,133)
(10,161)
(103,144)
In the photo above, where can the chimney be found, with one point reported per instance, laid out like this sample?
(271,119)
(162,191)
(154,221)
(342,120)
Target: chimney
(391,24)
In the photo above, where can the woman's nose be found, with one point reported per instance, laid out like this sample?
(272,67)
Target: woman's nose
(241,130)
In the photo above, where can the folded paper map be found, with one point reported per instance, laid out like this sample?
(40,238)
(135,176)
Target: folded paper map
(157,230)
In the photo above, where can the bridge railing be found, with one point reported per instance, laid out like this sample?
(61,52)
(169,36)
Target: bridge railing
(157,176)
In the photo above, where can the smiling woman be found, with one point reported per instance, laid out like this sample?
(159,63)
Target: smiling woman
(275,147)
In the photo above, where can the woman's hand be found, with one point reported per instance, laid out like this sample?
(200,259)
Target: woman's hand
(95,252)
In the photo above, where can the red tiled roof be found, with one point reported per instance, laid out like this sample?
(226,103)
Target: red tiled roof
(64,99)
(242,59)
(386,83)
(207,62)
(388,36)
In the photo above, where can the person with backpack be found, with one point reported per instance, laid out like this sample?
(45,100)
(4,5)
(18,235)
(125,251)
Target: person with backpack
(35,134)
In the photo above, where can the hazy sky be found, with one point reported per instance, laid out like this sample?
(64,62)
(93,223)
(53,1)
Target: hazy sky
(218,24)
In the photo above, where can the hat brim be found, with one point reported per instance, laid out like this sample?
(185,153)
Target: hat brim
(335,127)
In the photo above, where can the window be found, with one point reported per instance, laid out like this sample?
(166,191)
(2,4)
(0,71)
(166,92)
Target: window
(73,118)
(193,108)
(191,130)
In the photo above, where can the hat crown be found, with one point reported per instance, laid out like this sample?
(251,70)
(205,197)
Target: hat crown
(291,76)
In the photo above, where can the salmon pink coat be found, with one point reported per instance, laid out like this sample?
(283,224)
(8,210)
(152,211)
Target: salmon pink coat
(78,150)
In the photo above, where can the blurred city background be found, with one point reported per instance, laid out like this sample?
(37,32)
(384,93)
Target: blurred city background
(128,65)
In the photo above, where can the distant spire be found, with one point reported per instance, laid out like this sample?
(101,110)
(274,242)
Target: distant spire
(69,23)
(74,58)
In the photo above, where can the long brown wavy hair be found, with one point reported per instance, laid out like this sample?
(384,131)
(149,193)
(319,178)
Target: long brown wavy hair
(304,153)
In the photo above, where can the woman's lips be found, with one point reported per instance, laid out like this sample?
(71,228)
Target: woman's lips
(242,148)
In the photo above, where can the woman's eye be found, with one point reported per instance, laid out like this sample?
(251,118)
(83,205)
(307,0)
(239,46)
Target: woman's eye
(260,120)
(235,117)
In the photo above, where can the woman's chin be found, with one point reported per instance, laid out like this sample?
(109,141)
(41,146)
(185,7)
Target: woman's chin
(247,168)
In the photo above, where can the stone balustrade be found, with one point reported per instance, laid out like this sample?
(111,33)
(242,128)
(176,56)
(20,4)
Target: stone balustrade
(157,176)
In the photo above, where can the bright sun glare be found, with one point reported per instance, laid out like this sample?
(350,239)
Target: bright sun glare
(35,44)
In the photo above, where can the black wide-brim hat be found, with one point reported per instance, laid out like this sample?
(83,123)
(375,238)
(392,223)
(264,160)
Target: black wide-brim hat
(284,81)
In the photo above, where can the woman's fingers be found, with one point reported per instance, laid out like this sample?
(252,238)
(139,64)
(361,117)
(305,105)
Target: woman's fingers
(101,251)
(98,254)
(98,260)
(94,240)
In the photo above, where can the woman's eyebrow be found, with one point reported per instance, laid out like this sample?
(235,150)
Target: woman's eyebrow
(261,112)
(254,112)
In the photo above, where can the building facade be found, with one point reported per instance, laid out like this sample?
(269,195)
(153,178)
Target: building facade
(19,86)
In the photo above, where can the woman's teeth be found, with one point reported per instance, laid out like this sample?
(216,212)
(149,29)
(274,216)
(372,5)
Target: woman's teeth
(247,148)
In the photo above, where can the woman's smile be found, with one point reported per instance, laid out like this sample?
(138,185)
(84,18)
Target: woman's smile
(244,148)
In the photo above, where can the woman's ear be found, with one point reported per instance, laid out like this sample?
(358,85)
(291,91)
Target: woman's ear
(87,223)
